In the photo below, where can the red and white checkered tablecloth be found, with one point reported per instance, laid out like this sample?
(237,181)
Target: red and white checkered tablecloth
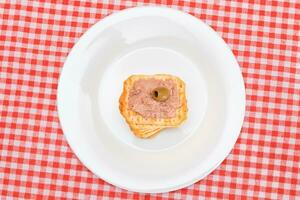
(35,159)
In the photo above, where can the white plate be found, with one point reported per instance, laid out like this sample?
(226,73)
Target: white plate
(150,40)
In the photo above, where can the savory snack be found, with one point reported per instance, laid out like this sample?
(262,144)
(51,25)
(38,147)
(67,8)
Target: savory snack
(150,103)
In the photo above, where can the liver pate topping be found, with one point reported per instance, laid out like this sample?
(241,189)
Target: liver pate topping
(140,98)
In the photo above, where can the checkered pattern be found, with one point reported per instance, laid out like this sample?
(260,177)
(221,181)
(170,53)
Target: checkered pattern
(35,159)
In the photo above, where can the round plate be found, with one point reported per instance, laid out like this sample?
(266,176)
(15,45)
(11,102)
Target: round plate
(150,40)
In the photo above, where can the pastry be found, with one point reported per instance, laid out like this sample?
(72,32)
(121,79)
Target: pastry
(151,103)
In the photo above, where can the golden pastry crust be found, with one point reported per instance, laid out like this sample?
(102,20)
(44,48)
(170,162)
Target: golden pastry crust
(147,127)
(146,133)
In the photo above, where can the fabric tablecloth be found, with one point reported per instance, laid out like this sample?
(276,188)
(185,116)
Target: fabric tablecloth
(37,163)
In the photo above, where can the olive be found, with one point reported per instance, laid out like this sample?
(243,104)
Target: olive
(160,94)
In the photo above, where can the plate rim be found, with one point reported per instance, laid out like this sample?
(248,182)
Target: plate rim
(77,152)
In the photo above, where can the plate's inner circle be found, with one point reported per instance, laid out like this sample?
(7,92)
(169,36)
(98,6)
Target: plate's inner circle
(151,60)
